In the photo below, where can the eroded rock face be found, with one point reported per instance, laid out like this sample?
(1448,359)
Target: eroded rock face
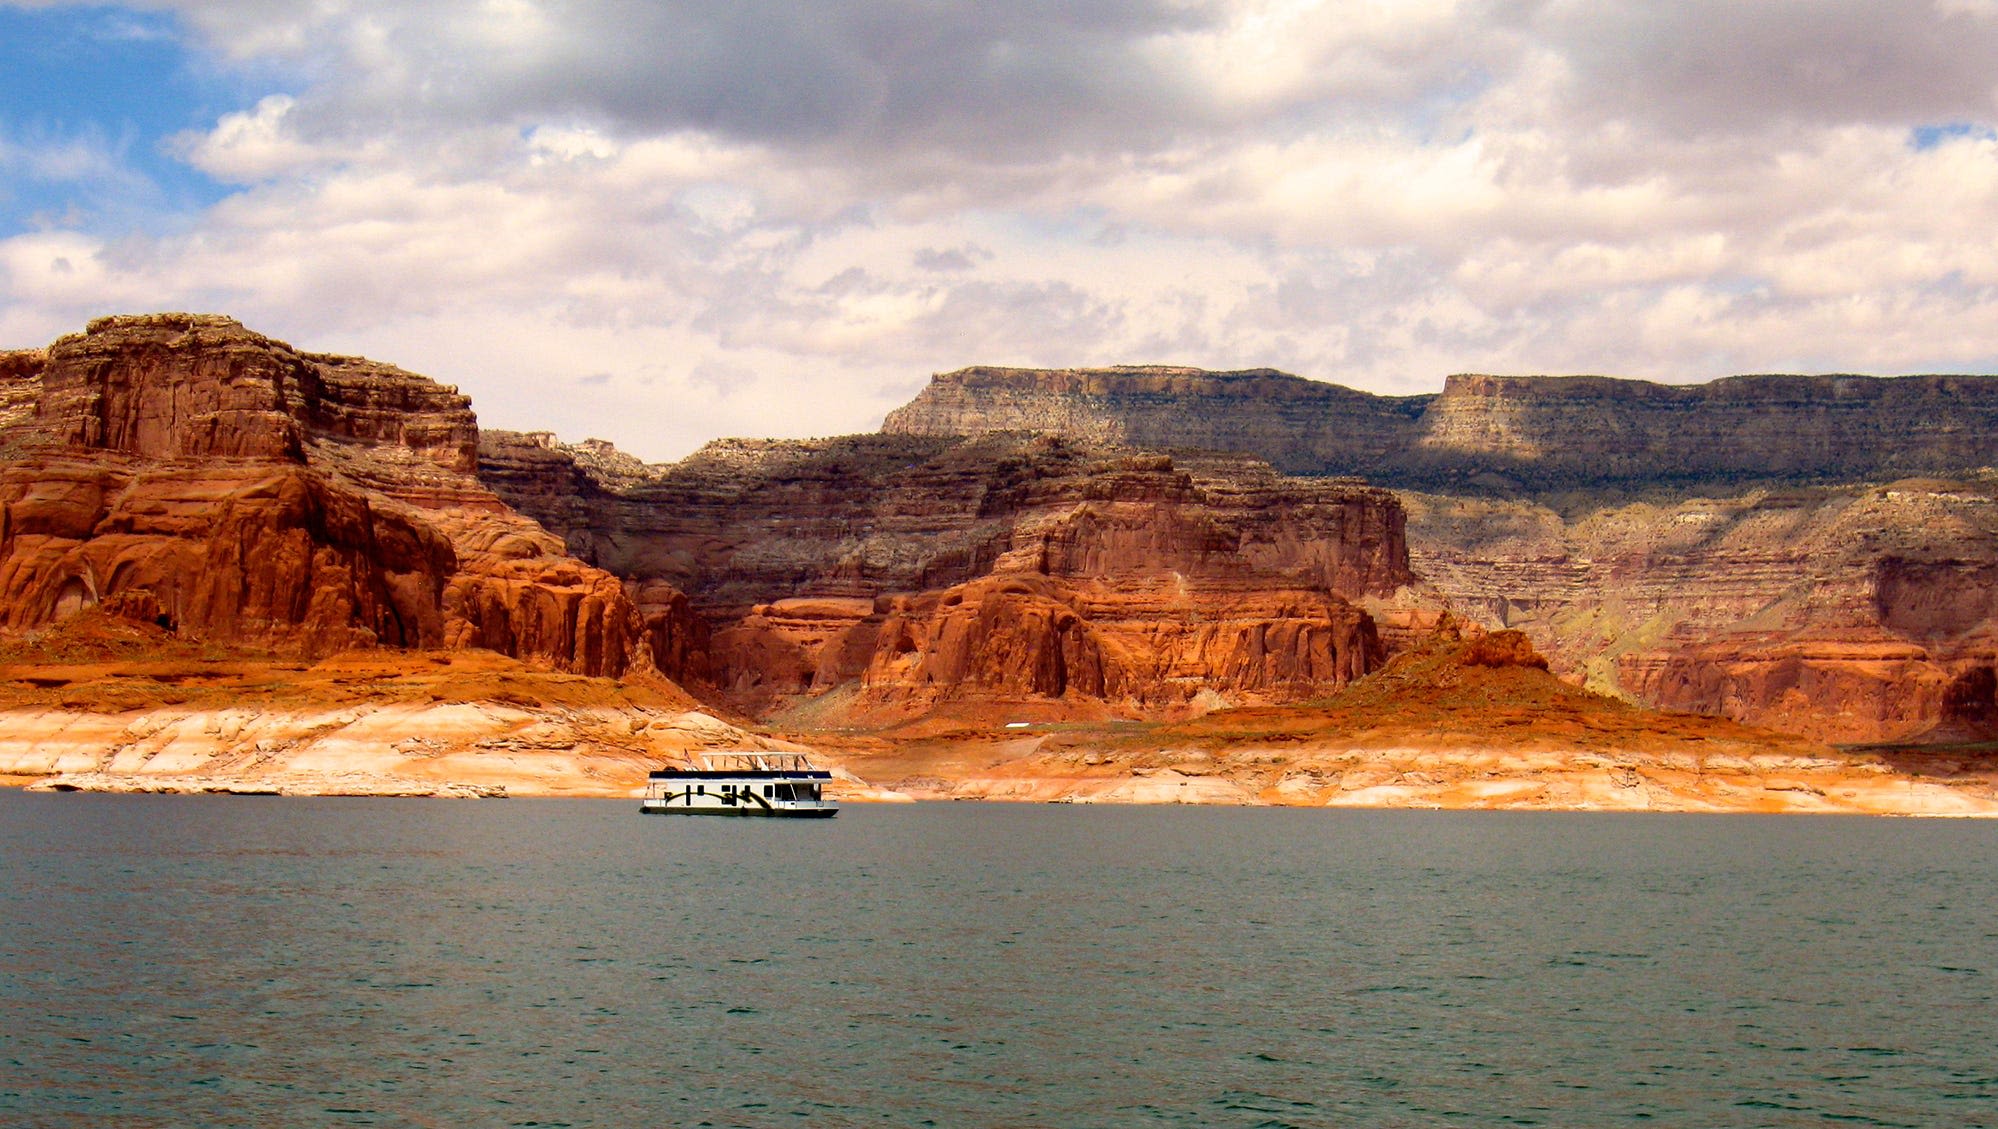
(198,385)
(1008,637)
(186,471)
(182,470)
(1532,431)
(269,553)
(1814,553)
(1844,613)
(1850,692)
(921,569)
(1300,426)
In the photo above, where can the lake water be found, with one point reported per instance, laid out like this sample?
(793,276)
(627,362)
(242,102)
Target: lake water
(191,961)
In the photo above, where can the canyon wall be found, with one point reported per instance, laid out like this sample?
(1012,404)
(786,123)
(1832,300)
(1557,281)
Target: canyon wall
(1851,613)
(916,571)
(1816,554)
(1298,426)
(183,470)
(1538,432)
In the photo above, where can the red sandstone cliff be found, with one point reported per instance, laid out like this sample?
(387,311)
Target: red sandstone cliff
(184,470)
(908,572)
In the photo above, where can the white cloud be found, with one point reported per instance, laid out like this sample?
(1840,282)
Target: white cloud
(253,145)
(779,218)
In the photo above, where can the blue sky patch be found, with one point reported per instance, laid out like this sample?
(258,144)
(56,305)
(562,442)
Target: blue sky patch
(88,99)
(1930,136)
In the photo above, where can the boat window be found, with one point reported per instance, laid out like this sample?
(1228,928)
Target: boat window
(769,790)
(701,789)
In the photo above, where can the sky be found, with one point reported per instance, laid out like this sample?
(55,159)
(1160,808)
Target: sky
(661,222)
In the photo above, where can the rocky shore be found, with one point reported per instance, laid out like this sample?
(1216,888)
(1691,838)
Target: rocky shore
(489,750)
(1472,724)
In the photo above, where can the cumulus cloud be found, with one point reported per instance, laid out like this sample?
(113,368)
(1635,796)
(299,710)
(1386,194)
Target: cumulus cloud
(663,222)
(1705,67)
(880,74)
(251,145)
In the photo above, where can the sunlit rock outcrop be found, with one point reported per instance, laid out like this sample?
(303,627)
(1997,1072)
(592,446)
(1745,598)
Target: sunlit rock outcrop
(184,470)
(916,569)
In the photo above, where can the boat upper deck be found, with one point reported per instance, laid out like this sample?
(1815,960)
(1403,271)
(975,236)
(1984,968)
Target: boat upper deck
(745,765)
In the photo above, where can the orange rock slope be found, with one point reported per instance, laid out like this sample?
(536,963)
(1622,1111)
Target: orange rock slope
(1473,723)
(102,703)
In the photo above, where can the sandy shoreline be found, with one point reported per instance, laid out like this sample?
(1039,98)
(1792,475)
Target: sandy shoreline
(494,749)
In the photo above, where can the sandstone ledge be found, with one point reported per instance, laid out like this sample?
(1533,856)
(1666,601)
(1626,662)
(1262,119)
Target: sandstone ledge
(494,749)
(393,749)
(1469,778)
(1820,793)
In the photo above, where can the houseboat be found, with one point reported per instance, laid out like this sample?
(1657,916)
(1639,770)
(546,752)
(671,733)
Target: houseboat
(782,784)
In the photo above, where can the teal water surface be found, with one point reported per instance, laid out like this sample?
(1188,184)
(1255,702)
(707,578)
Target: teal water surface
(184,961)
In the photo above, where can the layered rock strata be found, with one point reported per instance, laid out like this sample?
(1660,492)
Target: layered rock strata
(1475,723)
(470,749)
(915,569)
(1850,613)
(183,470)
(1539,432)
(1755,547)
(101,703)
(1299,426)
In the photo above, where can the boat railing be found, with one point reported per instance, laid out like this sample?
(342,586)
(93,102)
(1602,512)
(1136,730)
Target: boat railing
(752,762)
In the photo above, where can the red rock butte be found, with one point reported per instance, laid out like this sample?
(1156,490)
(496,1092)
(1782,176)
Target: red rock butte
(183,470)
